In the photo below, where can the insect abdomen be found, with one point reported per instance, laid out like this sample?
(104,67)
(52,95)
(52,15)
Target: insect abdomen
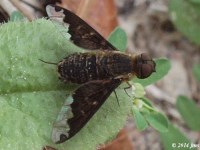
(78,68)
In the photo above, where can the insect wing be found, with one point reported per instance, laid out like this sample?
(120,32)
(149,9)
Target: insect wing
(82,34)
(86,100)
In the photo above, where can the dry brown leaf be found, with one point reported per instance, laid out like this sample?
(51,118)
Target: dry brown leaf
(101,15)
(48,148)
(122,142)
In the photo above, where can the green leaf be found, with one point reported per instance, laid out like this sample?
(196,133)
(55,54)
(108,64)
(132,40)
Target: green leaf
(16,16)
(119,39)
(162,68)
(147,101)
(31,95)
(186,15)
(195,1)
(174,139)
(189,111)
(139,119)
(157,121)
(196,71)
(139,90)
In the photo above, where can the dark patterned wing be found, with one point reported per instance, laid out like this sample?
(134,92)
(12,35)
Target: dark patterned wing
(4,17)
(86,100)
(82,34)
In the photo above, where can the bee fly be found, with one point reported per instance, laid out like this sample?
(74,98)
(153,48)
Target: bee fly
(98,71)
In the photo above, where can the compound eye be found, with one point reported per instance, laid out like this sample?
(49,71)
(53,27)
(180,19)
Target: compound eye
(145,66)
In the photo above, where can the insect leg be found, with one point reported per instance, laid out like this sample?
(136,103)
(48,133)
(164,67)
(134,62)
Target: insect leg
(116,97)
(129,86)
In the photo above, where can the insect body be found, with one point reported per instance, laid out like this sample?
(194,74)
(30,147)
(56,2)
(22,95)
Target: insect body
(101,65)
(98,71)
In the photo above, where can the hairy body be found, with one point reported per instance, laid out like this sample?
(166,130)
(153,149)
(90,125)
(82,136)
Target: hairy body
(99,65)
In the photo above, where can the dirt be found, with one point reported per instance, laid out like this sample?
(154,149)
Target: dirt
(149,28)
